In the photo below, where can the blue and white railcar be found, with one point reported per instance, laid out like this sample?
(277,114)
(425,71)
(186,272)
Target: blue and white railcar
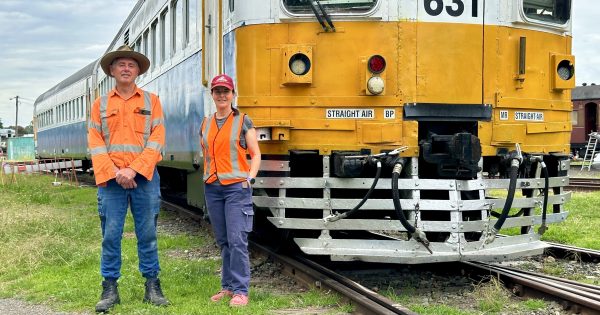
(60,116)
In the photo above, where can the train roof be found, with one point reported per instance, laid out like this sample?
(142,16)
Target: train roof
(125,24)
(588,92)
(76,77)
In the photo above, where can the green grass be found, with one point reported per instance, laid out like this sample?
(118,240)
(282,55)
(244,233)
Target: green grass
(580,228)
(50,248)
(50,252)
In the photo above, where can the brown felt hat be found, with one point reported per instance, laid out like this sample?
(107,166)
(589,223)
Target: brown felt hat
(124,52)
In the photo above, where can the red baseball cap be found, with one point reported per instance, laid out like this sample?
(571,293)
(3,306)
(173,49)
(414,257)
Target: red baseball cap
(222,80)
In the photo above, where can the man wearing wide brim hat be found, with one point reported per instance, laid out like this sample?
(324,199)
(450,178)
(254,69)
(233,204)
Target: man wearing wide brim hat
(124,52)
(126,136)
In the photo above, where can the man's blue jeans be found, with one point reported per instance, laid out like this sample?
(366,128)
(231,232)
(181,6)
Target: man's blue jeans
(231,216)
(113,201)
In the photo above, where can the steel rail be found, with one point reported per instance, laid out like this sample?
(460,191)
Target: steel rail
(314,275)
(583,184)
(583,254)
(586,298)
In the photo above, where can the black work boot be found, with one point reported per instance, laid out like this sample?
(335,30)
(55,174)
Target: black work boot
(109,297)
(154,293)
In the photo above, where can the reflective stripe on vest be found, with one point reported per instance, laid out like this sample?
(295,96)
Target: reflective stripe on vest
(104,120)
(148,124)
(239,168)
(147,107)
(207,157)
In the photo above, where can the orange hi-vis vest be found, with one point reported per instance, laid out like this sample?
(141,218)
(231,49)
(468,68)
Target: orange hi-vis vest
(224,157)
(126,133)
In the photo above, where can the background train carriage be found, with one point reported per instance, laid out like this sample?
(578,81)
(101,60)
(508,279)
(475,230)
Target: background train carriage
(585,116)
(61,114)
(452,89)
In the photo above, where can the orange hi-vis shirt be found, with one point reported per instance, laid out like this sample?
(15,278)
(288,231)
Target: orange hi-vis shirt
(126,133)
(224,157)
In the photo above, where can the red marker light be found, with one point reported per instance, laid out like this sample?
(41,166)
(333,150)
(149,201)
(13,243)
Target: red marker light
(376,64)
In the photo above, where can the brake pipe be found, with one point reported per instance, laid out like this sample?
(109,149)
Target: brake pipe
(515,163)
(417,234)
(540,160)
(373,158)
(339,216)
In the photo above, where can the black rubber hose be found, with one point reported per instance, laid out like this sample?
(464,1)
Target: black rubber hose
(326,16)
(512,187)
(396,196)
(318,16)
(546,190)
(366,197)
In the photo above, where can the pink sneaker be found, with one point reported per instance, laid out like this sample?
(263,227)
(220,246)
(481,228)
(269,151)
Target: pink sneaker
(220,295)
(239,300)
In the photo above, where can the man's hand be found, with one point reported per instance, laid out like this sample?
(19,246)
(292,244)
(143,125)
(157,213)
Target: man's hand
(125,178)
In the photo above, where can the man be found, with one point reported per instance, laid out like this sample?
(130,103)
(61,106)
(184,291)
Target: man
(126,136)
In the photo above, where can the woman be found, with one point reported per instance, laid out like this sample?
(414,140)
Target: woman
(226,138)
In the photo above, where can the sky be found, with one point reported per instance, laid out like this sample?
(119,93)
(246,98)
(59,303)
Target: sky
(43,42)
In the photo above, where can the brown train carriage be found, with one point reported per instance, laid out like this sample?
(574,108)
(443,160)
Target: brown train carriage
(585,116)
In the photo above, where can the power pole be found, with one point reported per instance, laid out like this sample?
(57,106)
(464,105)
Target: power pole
(16,98)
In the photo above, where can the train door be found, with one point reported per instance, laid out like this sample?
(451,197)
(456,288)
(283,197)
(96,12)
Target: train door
(591,118)
(449,51)
(211,41)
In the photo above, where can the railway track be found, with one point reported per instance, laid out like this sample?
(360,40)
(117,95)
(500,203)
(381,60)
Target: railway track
(583,184)
(573,296)
(312,274)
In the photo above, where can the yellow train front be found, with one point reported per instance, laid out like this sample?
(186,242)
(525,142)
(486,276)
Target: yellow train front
(407,131)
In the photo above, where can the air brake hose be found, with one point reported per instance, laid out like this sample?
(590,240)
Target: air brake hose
(344,215)
(512,187)
(396,197)
(417,234)
(543,227)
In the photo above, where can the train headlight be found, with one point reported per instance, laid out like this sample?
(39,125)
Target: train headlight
(375,85)
(562,70)
(376,64)
(299,64)
(565,70)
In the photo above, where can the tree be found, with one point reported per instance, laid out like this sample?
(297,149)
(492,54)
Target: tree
(28,129)
(1,125)
(20,130)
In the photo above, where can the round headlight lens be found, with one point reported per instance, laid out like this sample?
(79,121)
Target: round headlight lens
(299,64)
(375,85)
(565,70)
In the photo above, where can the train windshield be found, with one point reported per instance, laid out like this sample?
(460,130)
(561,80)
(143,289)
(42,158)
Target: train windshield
(553,11)
(331,6)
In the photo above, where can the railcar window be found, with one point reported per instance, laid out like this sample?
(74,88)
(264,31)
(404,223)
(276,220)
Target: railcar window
(331,6)
(193,17)
(145,43)
(174,26)
(154,44)
(186,22)
(553,11)
(575,118)
(163,35)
